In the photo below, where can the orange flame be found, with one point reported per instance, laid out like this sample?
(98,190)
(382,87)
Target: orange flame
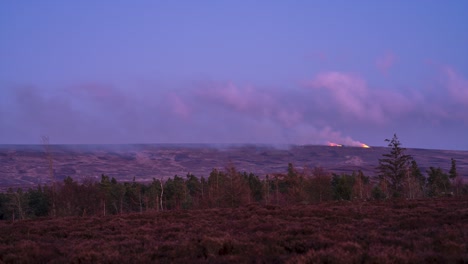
(331,144)
(364,145)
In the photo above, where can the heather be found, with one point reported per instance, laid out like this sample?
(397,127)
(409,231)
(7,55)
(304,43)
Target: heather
(397,231)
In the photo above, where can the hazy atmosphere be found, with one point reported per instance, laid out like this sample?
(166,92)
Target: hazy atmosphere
(301,72)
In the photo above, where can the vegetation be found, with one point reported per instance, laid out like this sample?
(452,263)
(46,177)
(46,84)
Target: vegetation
(231,216)
(396,231)
(394,166)
(399,177)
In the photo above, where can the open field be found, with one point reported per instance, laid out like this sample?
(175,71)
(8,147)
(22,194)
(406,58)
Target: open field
(26,165)
(418,231)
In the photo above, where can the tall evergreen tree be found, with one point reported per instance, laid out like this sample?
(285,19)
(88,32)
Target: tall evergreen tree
(394,166)
(256,186)
(38,201)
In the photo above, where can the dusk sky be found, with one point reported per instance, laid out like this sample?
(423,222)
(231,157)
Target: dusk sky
(279,72)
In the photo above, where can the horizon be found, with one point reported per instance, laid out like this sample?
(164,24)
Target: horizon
(223,145)
(303,73)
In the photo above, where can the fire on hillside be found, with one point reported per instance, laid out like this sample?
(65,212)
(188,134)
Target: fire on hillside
(362,145)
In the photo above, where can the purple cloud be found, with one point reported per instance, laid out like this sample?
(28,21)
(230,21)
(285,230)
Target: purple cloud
(227,112)
(352,96)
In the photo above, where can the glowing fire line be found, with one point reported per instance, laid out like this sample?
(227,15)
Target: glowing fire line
(362,145)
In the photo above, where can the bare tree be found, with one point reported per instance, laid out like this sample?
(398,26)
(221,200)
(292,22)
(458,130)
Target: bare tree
(17,203)
(161,181)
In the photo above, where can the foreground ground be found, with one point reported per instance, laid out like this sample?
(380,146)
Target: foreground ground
(434,231)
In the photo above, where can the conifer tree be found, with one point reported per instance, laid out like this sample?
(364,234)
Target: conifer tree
(394,166)
(453,170)
(438,181)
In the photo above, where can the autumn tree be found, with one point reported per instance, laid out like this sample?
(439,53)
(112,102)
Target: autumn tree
(236,189)
(394,166)
(216,182)
(414,182)
(68,197)
(319,186)
(88,195)
(17,203)
(294,184)
(361,186)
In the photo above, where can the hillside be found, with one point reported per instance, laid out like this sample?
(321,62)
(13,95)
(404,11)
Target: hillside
(26,165)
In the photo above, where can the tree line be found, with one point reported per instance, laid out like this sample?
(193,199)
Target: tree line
(399,177)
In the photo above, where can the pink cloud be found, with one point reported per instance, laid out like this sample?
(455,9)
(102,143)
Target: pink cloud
(385,62)
(352,96)
(247,99)
(275,117)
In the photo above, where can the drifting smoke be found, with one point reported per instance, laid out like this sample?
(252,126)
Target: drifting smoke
(221,112)
(362,145)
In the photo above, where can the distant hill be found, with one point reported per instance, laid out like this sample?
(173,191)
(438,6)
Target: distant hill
(26,165)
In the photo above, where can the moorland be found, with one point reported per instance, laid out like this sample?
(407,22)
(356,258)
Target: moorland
(27,165)
(394,231)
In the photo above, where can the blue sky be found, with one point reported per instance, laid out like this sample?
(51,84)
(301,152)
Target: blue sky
(302,72)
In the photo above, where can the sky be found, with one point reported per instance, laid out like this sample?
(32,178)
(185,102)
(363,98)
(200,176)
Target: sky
(255,72)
